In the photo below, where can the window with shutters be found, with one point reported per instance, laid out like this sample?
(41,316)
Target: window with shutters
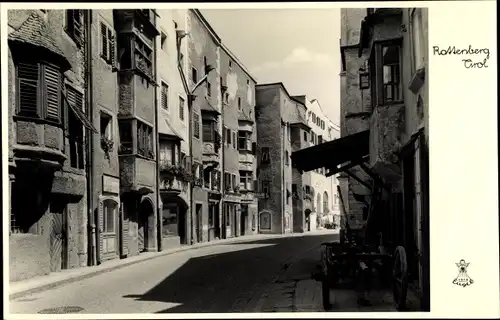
(39,91)
(107,42)
(208,131)
(181,108)
(75,129)
(196,120)
(74,26)
(164,95)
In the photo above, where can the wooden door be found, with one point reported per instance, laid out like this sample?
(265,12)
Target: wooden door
(199,230)
(141,232)
(57,241)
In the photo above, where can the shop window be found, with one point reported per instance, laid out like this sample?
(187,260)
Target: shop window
(170,216)
(39,91)
(74,26)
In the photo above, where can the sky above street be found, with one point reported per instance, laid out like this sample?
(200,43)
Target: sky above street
(299,47)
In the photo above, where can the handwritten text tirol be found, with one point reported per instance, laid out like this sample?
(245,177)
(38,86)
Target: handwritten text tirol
(468,63)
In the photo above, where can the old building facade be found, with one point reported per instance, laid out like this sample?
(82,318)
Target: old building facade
(239,205)
(47,93)
(175,173)
(277,112)
(324,188)
(385,62)
(203,49)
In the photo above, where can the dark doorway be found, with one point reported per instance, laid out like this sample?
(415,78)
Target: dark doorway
(216,221)
(145,212)
(199,231)
(235,221)
(409,202)
(244,217)
(224,221)
(181,224)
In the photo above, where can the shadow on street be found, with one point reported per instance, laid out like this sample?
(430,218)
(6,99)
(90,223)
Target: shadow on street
(213,283)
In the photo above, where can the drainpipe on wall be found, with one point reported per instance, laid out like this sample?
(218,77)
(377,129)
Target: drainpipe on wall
(92,252)
(159,217)
(222,221)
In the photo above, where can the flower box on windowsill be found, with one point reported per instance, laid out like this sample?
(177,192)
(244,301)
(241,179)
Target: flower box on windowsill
(107,146)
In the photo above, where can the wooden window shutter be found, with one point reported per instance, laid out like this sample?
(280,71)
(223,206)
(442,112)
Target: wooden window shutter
(104,45)
(52,79)
(112,51)
(27,74)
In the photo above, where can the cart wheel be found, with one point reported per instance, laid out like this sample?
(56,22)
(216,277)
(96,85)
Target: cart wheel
(325,291)
(400,278)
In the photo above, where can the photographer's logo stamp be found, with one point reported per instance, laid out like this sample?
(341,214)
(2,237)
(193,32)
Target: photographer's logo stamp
(463,278)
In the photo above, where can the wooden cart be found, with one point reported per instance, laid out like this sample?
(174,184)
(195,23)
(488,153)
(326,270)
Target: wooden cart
(355,262)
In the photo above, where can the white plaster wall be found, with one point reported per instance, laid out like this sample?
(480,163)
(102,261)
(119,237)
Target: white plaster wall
(166,60)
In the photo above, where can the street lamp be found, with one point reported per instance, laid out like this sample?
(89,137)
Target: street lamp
(190,99)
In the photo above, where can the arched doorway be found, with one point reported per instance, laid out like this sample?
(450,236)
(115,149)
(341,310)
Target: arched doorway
(145,224)
(174,222)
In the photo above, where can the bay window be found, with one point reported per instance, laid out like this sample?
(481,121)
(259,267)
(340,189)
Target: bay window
(385,71)
(244,140)
(126,141)
(208,131)
(145,140)
(39,91)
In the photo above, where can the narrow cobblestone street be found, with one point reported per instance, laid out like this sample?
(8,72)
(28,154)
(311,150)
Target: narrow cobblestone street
(271,275)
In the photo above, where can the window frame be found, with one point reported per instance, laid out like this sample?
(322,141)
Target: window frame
(265,157)
(196,125)
(377,73)
(164,84)
(105,219)
(71,28)
(110,56)
(211,125)
(247,176)
(41,112)
(73,131)
(145,139)
(247,138)
(181,106)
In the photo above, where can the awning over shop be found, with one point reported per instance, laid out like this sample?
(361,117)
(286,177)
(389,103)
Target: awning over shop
(350,149)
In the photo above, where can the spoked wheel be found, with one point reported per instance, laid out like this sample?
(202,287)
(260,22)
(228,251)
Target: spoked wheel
(400,278)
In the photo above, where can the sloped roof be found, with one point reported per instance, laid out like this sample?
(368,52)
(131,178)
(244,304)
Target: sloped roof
(207,107)
(34,31)
(164,127)
(243,116)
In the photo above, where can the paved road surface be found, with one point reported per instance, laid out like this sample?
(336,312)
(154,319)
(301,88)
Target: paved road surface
(255,276)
